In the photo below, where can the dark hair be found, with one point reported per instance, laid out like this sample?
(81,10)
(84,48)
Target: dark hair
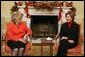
(70,13)
(73,9)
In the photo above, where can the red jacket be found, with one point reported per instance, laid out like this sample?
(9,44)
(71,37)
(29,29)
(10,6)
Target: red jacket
(15,32)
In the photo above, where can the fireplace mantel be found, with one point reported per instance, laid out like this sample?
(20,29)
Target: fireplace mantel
(33,11)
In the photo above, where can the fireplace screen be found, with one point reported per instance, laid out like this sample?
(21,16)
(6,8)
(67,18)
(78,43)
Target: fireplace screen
(44,26)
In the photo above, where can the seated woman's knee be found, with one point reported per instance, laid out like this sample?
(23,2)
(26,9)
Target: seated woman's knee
(21,49)
(15,49)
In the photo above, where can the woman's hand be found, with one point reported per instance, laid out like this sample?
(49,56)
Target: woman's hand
(64,38)
(25,37)
(22,40)
(70,41)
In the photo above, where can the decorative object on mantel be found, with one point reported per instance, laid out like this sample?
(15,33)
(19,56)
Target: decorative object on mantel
(26,8)
(14,8)
(38,5)
(69,4)
(29,3)
(59,4)
(20,3)
(44,5)
(51,5)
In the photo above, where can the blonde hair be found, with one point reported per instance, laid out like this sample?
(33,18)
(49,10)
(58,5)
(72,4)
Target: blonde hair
(14,16)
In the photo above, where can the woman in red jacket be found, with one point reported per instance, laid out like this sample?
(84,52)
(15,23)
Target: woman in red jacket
(16,31)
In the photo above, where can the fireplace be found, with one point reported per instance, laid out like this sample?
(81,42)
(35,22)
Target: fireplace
(44,23)
(44,26)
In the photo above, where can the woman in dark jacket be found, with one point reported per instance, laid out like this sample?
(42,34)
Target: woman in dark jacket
(69,35)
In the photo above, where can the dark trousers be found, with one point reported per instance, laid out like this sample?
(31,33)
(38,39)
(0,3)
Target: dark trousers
(63,47)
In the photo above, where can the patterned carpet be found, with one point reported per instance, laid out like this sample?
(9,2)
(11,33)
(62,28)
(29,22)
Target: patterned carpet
(36,51)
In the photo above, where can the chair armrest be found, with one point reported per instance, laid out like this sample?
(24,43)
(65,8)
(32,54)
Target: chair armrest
(30,40)
(3,37)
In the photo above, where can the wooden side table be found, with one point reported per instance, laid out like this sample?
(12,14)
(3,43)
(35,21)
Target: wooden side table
(45,42)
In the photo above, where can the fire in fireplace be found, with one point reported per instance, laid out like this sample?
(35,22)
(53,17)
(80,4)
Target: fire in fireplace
(44,26)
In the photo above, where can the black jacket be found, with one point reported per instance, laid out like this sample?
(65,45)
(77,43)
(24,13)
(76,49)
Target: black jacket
(72,32)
